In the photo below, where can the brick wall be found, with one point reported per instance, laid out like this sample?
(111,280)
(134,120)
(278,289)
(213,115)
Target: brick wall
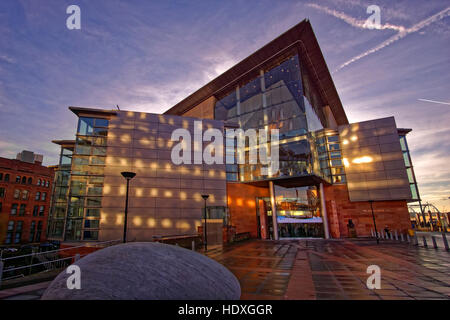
(393,214)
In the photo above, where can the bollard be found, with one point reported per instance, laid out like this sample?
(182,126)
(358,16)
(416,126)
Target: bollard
(416,240)
(77,257)
(407,238)
(382,234)
(379,235)
(433,239)
(396,235)
(425,242)
(391,236)
(1,272)
(402,239)
(372,233)
(444,239)
(193,245)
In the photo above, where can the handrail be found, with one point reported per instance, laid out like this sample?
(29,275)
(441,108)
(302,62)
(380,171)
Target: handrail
(58,250)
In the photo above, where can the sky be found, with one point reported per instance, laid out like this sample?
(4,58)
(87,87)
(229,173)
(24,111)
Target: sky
(149,55)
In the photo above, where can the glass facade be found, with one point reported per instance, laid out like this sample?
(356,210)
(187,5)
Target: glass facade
(79,184)
(409,168)
(276,100)
(330,158)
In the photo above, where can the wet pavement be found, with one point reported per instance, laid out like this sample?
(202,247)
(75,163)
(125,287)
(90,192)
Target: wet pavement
(336,269)
(323,269)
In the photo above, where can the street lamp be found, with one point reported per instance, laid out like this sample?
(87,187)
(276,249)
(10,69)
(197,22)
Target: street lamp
(127,175)
(374,224)
(205,197)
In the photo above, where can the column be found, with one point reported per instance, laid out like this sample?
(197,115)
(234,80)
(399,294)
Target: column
(323,208)
(274,210)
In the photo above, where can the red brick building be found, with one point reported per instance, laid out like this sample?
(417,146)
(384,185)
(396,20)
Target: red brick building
(25,191)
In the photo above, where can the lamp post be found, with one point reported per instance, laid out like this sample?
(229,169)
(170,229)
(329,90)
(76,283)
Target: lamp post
(127,175)
(374,224)
(205,197)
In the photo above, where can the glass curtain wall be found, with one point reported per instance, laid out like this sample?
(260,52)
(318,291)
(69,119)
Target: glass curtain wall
(275,100)
(86,183)
(58,210)
(409,168)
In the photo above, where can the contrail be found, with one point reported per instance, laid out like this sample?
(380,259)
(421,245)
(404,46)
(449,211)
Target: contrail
(402,31)
(353,21)
(434,101)
(400,35)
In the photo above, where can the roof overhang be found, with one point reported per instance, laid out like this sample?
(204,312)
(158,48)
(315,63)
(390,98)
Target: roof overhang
(92,112)
(300,38)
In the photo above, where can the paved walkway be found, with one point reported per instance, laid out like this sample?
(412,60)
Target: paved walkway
(323,269)
(336,269)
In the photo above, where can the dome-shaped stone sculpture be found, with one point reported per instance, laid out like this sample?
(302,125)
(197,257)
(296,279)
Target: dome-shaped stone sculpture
(147,270)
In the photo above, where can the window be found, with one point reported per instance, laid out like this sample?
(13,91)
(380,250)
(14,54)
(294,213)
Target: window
(17,179)
(25,194)
(2,192)
(32,231)
(39,182)
(1,176)
(22,209)
(16,194)
(38,196)
(44,196)
(39,230)
(6,177)
(35,211)
(41,211)
(30,180)
(1,207)
(14,209)
(24,180)
(18,234)
(9,234)
(47,184)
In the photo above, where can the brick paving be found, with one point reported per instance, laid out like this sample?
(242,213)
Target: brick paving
(336,269)
(323,269)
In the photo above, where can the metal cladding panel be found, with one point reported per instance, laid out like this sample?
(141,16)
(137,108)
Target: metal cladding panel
(373,161)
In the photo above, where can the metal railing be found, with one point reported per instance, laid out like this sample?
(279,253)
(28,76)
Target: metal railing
(46,260)
(437,241)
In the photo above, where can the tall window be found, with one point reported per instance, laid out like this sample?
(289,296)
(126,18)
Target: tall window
(24,180)
(14,209)
(1,207)
(41,211)
(22,209)
(18,234)
(32,231)
(39,182)
(16,194)
(44,196)
(1,176)
(25,194)
(38,196)
(17,179)
(35,211)
(2,192)
(7,177)
(39,231)
(30,180)
(9,232)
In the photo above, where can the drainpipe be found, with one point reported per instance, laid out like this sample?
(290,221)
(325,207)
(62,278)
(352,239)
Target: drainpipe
(323,208)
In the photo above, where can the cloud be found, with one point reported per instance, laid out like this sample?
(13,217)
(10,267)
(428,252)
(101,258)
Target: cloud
(400,35)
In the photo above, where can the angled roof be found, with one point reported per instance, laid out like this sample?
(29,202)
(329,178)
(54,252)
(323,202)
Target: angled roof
(300,37)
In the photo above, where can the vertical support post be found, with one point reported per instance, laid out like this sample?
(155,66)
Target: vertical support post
(396,235)
(402,239)
(126,214)
(416,239)
(374,223)
(425,244)
(193,245)
(206,230)
(433,239)
(407,238)
(391,236)
(274,210)
(323,208)
(444,239)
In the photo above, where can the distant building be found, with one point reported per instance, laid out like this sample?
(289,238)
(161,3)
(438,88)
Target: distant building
(25,191)
(331,173)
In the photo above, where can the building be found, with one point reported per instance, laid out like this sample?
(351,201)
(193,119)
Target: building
(25,190)
(331,174)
